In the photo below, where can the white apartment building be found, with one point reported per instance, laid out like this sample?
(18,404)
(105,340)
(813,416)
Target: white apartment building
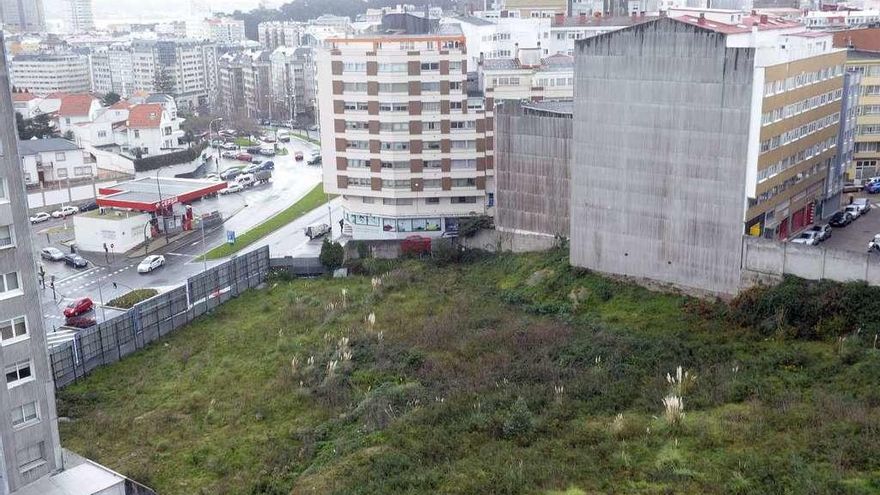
(274,34)
(499,37)
(408,148)
(49,73)
(565,30)
(224,31)
(79,16)
(191,65)
(77,109)
(23,16)
(293,81)
(843,19)
(54,159)
(528,76)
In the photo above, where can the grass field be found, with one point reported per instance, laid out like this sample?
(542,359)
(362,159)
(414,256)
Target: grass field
(309,202)
(503,375)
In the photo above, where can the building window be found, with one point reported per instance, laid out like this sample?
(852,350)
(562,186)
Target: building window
(25,413)
(13,330)
(360,87)
(7,235)
(137,134)
(430,87)
(471,182)
(432,184)
(354,67)
(18,373)
(31,457)
(167,130)
(61,173)
(432,66)
(60,156)
(9,282)
(460,200)
(3,193)
(430,107)
(102,134)
(432,201)
(81,171)
(433,164)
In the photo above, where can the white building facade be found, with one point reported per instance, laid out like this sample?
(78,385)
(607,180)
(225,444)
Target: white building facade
(43,74)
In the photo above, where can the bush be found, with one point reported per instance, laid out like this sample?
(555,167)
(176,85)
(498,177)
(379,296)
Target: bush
(519,422)
(174,158)
(445,251)
(468,227)
(128,300)
(332,254)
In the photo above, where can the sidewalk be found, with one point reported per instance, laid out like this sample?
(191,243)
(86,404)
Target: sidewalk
(160,243)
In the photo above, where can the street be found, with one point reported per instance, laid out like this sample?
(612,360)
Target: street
(113,274)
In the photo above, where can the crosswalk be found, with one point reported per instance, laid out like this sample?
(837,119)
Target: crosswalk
(91,274)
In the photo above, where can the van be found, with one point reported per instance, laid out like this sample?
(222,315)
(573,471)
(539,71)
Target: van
(246,180)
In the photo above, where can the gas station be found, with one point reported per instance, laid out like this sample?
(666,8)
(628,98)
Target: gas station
(132,212)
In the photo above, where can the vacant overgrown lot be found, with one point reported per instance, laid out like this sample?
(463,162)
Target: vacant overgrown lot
(504,375)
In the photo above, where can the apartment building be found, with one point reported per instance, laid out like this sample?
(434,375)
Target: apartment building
(536,8)
(527,76)
(47,73)
(79,16)
(54,159)
(863,58)
(274,34)
(191,65)
(565,30)
(224,31)
(230,84)
(407,146)
(499,36)
(293,81)
(23,16)
(721,129)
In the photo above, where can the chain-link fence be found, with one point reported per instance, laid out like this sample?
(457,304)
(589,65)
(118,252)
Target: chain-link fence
(149,320)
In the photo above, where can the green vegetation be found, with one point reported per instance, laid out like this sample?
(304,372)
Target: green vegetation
(129,299)
(281,151)
(302,137)
(332,254)
(309,202)
(512,374)
(243,141)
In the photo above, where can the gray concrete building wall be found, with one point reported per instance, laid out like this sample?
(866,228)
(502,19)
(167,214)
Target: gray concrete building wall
(661,122)
(30,449)
(533,150)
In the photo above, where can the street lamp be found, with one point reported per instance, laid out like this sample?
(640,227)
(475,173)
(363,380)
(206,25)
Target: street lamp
(216,158)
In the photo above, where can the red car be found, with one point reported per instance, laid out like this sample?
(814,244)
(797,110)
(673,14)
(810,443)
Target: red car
(78,307)
(244,157)
(298,156)
(81,322)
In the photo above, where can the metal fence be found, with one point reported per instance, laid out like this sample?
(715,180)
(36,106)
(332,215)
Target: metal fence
(149,320)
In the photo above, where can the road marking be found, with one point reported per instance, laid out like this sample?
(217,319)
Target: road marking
(179,254)
(79,275)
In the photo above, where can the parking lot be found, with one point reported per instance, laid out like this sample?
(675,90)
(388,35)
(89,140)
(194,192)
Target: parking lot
(855,236)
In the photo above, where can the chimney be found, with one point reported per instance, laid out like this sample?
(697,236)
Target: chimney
(763,18)
(702,20)
(582,18)
(559,19)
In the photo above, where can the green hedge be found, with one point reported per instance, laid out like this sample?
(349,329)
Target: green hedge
(128,300)
(174,158)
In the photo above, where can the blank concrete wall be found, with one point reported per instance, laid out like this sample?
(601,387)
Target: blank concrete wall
(661,121)
(532,176)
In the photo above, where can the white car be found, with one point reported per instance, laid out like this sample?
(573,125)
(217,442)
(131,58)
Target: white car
(150,263)
(65,212)
(229,154)
(863,204)
(853,210)
(228,146)
(51,254)
(232,188)
(40,217)
(810,238)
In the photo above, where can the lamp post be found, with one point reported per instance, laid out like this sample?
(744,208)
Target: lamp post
(160,207)
(216,158)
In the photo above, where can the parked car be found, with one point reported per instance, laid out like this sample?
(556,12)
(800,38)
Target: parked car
(256,161)
(269,139)
(75,261)
(229,154)
(854,211)
(823,232)
(873,188)
(90,206)
(65,211)
(78,307)
(298,156)
(267,151)
(251,169)
(317,230)
(316,160)
(245,180)
(267,165)
(245,157)
(230,173)
(51,254)
(863,203)
(262,176)
(81,321)
(150,263)
(254,150)
(807,237)
(284,138)
(232,187)
(212,177)
(229,146)
(40,217)
(840,219)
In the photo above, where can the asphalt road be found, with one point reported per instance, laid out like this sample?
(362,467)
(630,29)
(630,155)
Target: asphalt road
(855,236)
(291,180)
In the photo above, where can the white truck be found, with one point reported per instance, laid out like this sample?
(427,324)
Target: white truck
(317,230)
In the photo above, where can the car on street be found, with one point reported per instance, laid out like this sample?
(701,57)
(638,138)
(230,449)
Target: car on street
(267,165)
(150,263)
(65,211)
(229,154)
(316,160)
(245,157)
(863,203)
(51,254)
(873,188)
(212,177)
(854,211)
(232,187)
(230,173)
(75,261)
(823,232)
(229,146)
(267,151)
(298,156)
(251,169)
(245,180)
(284,138)
(317,230)
(90,206)
(269,139)
(40,217)
(78,307)
(809,238)
(81,321)
(253,150)
(840,219)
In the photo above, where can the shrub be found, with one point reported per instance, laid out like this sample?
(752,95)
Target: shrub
(173,158)
(468,227)
(129,299)
(445,251)
(519,422)
(332,254)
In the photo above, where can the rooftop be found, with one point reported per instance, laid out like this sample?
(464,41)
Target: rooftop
(146,193)
(557,107)
(476,21)
(76,105)
(867,39)
(145,116)
(23,96)
(34,146)
(761,22)
(553,62)
(587,21)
